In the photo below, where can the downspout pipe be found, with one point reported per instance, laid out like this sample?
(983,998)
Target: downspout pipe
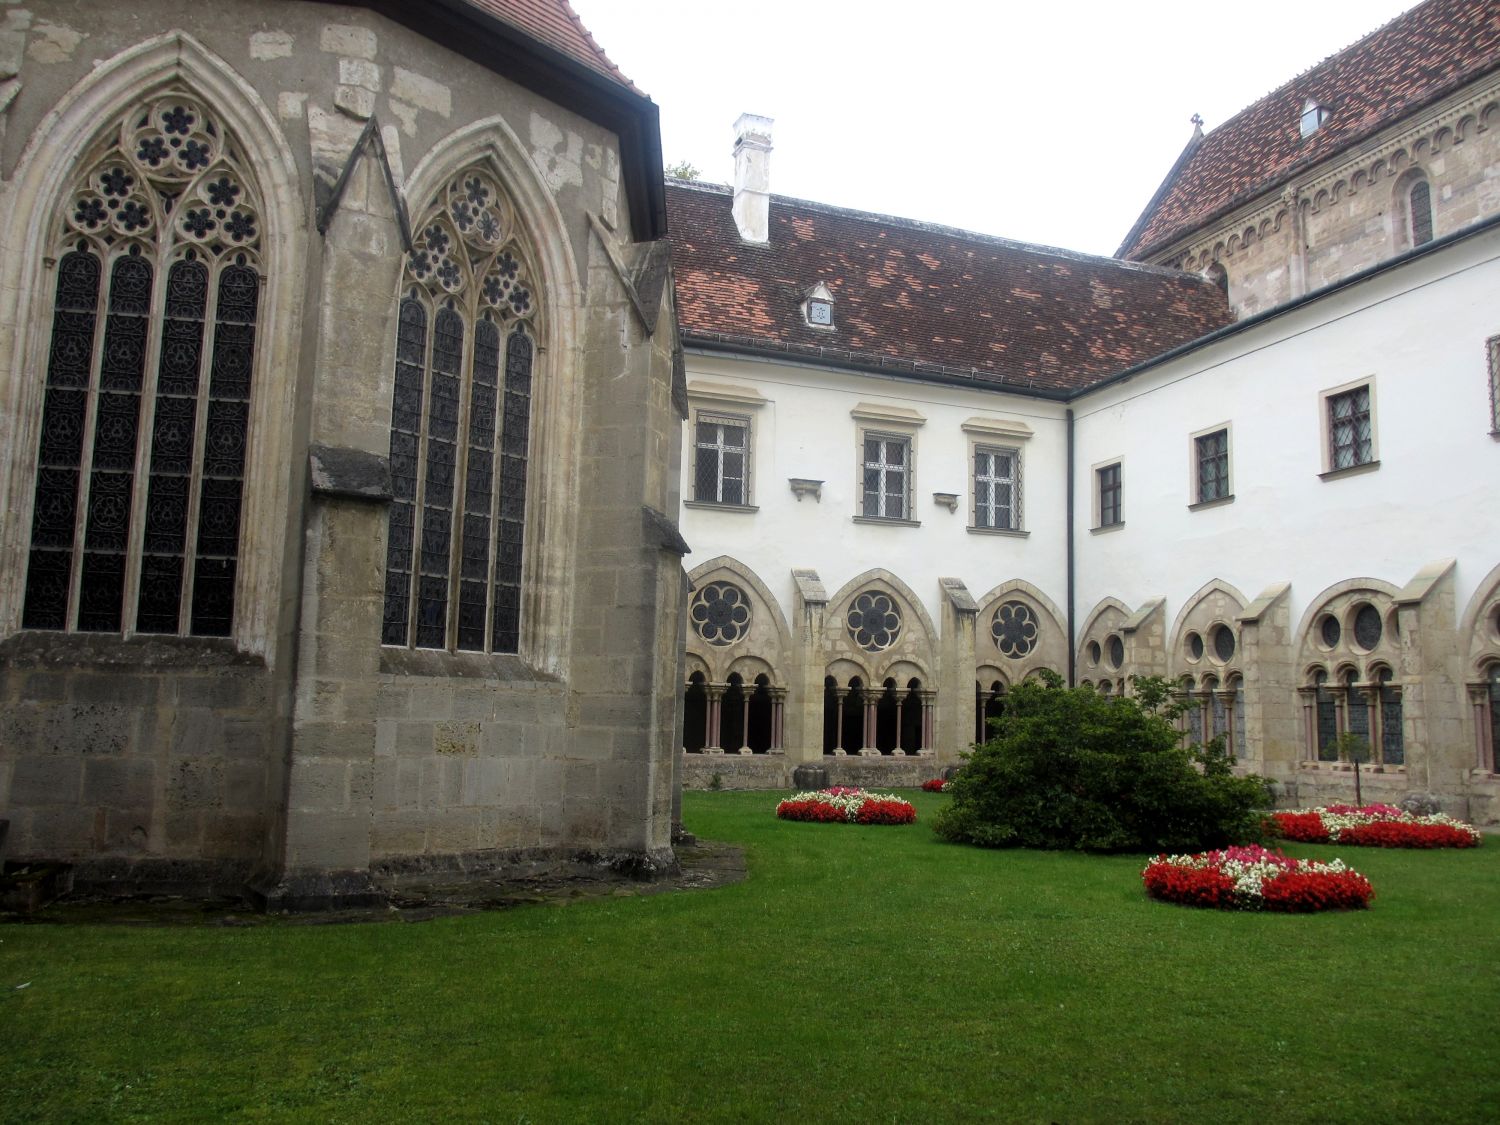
(1072,639)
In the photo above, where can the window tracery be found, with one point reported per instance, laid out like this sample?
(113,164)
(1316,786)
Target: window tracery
(460,426)
(720,613)
(874,621)
(145,416)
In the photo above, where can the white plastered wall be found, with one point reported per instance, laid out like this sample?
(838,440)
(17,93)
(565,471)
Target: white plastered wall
(1418,335)
(805,429)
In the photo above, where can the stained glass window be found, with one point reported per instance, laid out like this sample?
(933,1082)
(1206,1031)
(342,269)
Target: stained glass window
(460,427)
(145,419)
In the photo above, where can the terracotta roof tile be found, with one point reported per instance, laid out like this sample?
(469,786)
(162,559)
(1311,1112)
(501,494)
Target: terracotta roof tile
(1417,58)
(555,23)
(911,293)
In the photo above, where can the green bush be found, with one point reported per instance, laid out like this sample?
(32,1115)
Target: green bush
(1069,768)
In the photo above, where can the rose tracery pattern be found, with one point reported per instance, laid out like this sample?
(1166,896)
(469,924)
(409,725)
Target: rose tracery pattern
(1014,628)
(874,621)
(721,613)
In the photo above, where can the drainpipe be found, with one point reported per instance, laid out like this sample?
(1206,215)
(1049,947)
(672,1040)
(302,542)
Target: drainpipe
(1072,640)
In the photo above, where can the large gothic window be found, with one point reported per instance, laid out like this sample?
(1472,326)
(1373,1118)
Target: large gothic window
(460,427)
(141,457)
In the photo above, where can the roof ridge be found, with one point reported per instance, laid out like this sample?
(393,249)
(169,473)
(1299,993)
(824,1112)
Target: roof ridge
(901,222)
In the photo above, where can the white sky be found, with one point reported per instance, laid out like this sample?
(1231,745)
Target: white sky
(1045,122)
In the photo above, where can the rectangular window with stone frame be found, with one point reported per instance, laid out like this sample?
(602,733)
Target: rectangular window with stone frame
(1211,461)
(886,480)
(1109,495)
(721,471)
(1349,427)
(997,488)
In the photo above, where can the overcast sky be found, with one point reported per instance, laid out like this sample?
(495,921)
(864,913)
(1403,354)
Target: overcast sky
(1045,122)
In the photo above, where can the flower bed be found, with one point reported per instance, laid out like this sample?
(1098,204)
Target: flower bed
(1252,878)
(1374,826)
(845,805)
(934,785)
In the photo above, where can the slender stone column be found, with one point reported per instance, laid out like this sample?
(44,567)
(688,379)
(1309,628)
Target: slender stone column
(929,711)
(778,719)
(981,714)
(744,722)
(1479,699)
(1309,723)
(1370,693)
(840,694)
(900,704)
(713,718)
(869,749)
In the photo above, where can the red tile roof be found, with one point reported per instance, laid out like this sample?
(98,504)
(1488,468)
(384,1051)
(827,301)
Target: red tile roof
(555,23)
(913,297)
(1417,58)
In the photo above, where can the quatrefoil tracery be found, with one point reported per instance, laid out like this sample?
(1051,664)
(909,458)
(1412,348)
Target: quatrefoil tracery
(169,171)
(467,246)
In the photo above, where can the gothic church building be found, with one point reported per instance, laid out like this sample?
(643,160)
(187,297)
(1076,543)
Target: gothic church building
(339,437)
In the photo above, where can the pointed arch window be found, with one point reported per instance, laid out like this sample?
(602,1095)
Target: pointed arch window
(461,427)
(136,512)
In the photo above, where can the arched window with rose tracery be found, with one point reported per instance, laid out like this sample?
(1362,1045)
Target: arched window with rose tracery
(136,516)
(461,426)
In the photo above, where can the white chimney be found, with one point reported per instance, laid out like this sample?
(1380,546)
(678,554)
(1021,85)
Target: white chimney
(752,177)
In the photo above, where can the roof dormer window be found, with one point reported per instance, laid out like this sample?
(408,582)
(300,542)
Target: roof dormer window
(817,307)
(1313,116)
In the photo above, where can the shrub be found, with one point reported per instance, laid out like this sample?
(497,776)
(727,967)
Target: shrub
(1069,768)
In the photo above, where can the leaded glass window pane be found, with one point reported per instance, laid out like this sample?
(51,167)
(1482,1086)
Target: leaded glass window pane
(886,477)
(226,433)
(1494,694)
(722,450)
(1328,722)
(505,629)
(406,438)
(173,441)
(996,489)
(1349,431)
(1367,627)
(64,413)
(1357,713)
(1213,466)
(1392,738)
(1110,508)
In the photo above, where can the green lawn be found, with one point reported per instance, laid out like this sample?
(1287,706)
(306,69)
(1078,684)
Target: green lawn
(859,974)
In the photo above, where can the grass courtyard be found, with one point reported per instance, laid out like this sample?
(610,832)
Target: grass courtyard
(858,974)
